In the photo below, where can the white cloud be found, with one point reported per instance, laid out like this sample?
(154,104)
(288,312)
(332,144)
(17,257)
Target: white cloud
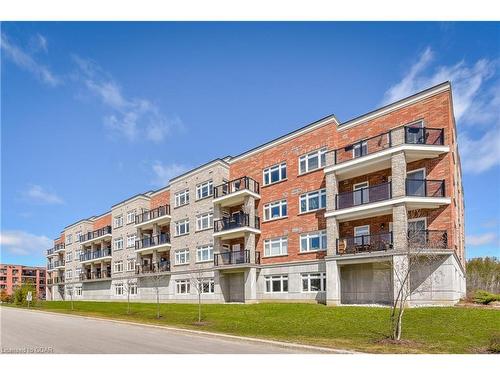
(132,118)
(482,239)
(24,60)
(39,43)
(18,242)
(163,173)
(475,106)
(38,194)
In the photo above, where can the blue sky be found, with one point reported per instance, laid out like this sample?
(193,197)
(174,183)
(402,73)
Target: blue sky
(92,113)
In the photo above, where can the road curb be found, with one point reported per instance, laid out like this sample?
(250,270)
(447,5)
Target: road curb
(283,344)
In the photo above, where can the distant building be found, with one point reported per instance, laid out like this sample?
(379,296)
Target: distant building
(12,275)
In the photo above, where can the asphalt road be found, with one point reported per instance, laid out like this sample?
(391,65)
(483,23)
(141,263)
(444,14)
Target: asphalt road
(71,334)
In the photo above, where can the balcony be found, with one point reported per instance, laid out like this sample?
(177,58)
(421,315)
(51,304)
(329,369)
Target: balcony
(95,276)
(58,264)
(148,244)
(374,154)
(159,215)
(233,193)
(232,258)
(58,280)
(236,226)
(96,236)
(96,256)
(59,248)
(364,244)
(158,267)
(378,199)
(428,239)
(50,252)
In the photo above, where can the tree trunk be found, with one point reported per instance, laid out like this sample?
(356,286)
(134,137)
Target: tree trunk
(157,304)
(199,307)
(128,302)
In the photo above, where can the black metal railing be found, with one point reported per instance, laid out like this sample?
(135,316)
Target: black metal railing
(235,257)
(50,251)
(365,243)
(95,275)
(152,214)
(363,147)
(424,136)
(96,254)
(236,221)
(159,239)
(59,246)
(428,239)
(236,185)
(375,193)
(163,266)
(58,280)
(425,188)
(95,234)
(58,263)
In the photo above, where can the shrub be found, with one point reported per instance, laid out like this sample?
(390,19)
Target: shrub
(494,346)
(4,297)
(21,292)
(484,297)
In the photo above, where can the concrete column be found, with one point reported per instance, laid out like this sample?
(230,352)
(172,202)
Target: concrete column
(397,136)
(332,234)
(398,165)
(250,285)
(154,257)
(249,208)
(399,227)
(250,245)
(332,283)
(332,188)
(400,264)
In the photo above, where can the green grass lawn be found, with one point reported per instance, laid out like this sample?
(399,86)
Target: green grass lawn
(426,330)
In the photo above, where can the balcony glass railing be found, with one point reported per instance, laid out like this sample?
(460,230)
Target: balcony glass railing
(235,257)
(50,251)
(58,263)
(236,221)
(371,194)
(60,246)
(365,243)
(95,275)
(96,254)
(152,214)
(424,136)
(428,239)
(160,239)
(238,184)
(425,188)
(95,234)
(153,267)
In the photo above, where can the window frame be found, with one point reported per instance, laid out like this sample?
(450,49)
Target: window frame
(268,208)
(283,240)
(268,171)
(209,184)
(119,289)
(118,221)
(319,153)
(179,224)
(211,286)
(200,218)
(203,248)
(177,198)
(177,255)
(118,240)
(118,266)
(269,283)
(308,276)
(323,239)
(129,236)
(307,196)
(131,214)
(182,283)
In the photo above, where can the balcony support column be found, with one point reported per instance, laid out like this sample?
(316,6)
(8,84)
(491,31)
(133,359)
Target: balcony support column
(249,208)
(249,244)
(250,277)
(398,165)
(332,235)
(397,136)
(332,283)
(399,227)
(332,226)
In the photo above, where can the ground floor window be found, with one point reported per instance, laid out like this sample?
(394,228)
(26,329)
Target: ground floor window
(183,286)
(133,289)
(314,282)
(78,291)
(277,284)
(118,289)
(207,286)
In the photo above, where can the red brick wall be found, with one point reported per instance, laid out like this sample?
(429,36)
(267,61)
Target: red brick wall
(102,222)
(291,189)
(160,199)
(60,239)
(346,229)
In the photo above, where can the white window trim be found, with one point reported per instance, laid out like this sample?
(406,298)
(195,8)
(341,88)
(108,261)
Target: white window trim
(184,282)
(281,203)
(178,224)
(307,275)
(320,233)
(357,145)
(417,170)
(282,277)
(280,173)
(118,218)
(204,248)
(120,240)
(423,218)
(199,189)
(209,281)
(134,236)
(355,186)
(133,216)
(210,221)
(187,256)
(117,264)
(320,151)
(306,195)
(177,199)
(281,239)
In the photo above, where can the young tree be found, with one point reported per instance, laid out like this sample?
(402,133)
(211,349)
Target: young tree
(198,280)
(157,280)
(70,291)
(128,285)
(414,257)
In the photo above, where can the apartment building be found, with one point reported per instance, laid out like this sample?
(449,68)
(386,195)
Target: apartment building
(322,214)
(13,275)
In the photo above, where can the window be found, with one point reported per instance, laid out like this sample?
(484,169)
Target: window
(132,289)
(277,284)
(118,221)
(275,210)
(182,287)
(313,201)
(207,286)
(360,193)
(131,217)
(182,198)
(78,254)
(182,256)
(204,189)
(274,174)
(78,291)
(118,243)
(69,256)
(182,227)
(276,246)
(360,149)
(69,239)
(119,289)
(77,236)
(313,241)
(69,274)
(205,253)
(314,282)
(131,240)
(78,272)
(362,235)
(312,161)
(205,221)
(118,266)
(131,265)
